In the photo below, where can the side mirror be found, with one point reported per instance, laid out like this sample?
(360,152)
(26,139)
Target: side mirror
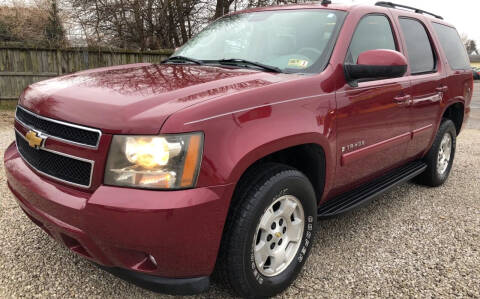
(376,64)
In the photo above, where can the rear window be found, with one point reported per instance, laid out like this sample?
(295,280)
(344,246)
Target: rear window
(452,46)
(420,52)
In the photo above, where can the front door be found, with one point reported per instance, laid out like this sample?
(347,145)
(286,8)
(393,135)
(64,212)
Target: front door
(373,129)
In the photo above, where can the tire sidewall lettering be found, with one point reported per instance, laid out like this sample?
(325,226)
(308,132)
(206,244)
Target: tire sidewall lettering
(307,239)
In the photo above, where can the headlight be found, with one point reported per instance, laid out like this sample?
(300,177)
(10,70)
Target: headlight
(154,162)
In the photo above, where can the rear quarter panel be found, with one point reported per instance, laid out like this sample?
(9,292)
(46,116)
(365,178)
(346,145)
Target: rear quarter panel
(459,82)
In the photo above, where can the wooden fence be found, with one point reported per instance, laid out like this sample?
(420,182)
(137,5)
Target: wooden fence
(22,66)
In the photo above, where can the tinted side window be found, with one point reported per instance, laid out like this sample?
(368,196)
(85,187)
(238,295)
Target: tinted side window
(452,46)
(373,32)
(420,52)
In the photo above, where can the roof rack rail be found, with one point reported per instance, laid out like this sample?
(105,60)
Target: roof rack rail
(416,10)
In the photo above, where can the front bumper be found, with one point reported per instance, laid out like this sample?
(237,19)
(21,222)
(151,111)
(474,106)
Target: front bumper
(175,286)
(172,234)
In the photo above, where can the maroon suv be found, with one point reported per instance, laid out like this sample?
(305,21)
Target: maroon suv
(224,155)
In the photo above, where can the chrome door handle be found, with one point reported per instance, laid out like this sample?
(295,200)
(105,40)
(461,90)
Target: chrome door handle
(401,99)
(442,89)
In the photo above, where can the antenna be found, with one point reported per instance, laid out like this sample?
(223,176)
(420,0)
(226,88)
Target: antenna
(326,2)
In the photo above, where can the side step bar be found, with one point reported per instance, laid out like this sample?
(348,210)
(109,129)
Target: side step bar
(363,194)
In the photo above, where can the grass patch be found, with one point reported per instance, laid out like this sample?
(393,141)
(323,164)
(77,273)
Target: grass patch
(8,105)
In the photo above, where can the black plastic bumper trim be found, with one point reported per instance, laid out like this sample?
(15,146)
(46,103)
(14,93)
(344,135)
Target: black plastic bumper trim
(171,286)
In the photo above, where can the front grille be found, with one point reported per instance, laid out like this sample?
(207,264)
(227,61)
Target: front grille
(67,132)
(55,165)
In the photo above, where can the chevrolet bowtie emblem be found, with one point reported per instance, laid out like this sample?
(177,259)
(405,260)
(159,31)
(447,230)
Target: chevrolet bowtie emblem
(35,140)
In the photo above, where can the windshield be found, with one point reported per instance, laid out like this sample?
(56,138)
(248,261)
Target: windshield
(294,41)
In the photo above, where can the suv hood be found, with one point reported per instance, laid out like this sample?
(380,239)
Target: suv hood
(137,99)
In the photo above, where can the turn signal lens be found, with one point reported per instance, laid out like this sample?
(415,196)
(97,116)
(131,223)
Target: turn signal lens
(191,161)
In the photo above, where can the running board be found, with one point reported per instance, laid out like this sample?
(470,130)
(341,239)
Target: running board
(363,194)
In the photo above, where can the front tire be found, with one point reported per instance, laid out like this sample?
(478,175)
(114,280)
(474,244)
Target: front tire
(441,155)
(269,233)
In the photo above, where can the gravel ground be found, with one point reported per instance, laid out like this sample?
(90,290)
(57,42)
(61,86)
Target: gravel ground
(411,242)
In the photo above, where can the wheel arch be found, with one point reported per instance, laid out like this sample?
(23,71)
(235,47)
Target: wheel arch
(306,153)
(455,112)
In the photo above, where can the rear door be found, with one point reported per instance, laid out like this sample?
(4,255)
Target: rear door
(428,82)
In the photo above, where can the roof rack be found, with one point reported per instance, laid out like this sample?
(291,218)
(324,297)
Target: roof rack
(416,10)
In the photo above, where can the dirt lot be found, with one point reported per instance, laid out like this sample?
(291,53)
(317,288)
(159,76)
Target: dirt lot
(413,241)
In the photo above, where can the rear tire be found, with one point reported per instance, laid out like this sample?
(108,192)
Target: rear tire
(273,217)
(440,157)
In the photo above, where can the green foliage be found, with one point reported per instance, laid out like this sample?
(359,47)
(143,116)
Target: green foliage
(5,31)
(33,25)
(54,32)
(8,105)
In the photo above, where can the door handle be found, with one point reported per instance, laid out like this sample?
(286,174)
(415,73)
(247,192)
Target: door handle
(402,99)
(442,89)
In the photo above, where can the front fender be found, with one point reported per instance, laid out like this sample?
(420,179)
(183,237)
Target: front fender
(263,150)
(236,140)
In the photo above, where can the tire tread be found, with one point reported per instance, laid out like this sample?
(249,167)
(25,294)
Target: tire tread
(430,176)
(246,193)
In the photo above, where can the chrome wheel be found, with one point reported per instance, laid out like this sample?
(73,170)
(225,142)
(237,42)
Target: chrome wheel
(278,235)
(444,154)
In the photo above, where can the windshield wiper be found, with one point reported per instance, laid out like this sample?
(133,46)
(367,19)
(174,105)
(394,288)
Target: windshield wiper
(183,59)
(247,63)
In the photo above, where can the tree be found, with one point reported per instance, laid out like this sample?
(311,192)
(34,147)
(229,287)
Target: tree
(5,31)
(37,25)
(222,8)
(54,32)
(471,47)
(150,24)
(143,24)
